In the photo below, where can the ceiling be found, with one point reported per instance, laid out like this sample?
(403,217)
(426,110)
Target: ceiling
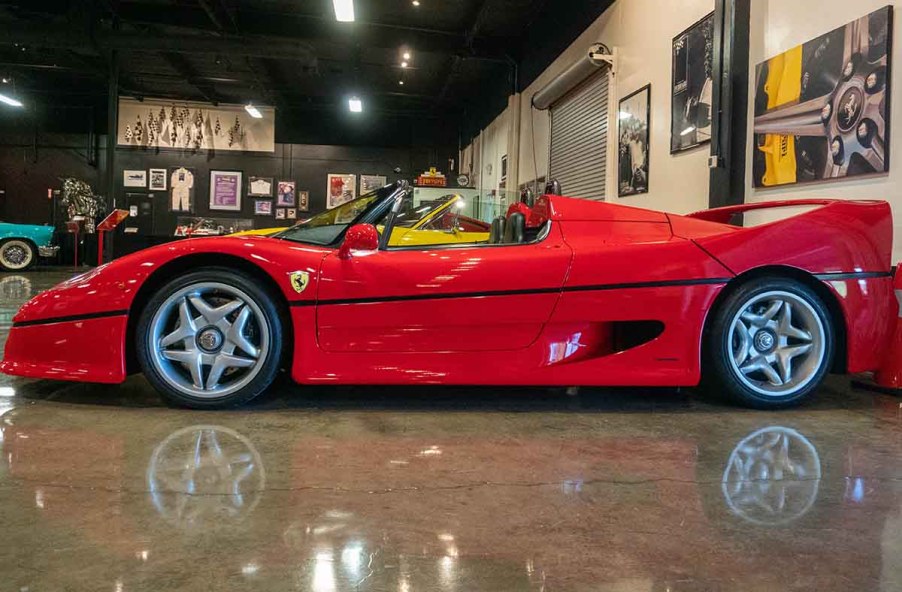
(465,55)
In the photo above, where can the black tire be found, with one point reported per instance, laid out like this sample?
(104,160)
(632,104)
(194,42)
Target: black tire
(267,366)
(23,248)
(721,375)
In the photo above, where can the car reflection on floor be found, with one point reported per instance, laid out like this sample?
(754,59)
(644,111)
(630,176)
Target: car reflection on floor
(367,501)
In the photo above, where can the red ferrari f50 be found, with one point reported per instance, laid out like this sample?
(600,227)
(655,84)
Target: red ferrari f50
(587,293)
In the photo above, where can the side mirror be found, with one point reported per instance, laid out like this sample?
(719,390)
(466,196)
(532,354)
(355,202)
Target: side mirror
(360,237)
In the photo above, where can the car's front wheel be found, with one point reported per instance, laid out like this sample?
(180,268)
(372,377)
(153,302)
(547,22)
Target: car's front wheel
(771,343)
(210,339)
(16,255)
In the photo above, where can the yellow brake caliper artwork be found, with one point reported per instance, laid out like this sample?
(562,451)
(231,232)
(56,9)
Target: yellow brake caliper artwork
(783,85)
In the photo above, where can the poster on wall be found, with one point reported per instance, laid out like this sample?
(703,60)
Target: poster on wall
(259,186)
(134,178)
(225,190)
(632,154)
(303,201)
(822,108)
(262,207)
(157,180)
(181,189)
(340,188)
(371,183)
(285,197)
(693,86)
(185,125)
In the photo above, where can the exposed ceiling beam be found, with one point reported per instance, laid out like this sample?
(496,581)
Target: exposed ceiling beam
(183,67)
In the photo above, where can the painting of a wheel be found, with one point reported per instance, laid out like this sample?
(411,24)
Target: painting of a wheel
(821,108)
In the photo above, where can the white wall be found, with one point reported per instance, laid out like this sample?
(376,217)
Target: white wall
(778,25)
(487,150)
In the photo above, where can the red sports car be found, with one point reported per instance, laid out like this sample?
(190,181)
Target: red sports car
(595,294)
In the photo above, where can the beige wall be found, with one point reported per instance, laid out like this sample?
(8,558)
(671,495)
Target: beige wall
(778,25)
(641,32)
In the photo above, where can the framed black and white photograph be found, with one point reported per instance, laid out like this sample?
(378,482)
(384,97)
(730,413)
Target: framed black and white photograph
(280,213)
(157,180)
(693,86)
(259,186)
(292,214)
(262,207)
(371,183)
(303,201)
(633,119)
(134,178)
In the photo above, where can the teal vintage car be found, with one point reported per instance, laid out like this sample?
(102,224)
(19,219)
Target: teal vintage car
(22,244)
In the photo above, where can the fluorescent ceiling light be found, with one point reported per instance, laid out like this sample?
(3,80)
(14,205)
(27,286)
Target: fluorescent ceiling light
(10,101)
(688,130)
(253,111)
(344,10)
(355,105)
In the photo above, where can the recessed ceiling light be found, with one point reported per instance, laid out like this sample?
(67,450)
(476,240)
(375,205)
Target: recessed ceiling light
(253,111)
(355,105)
(401,82)
(10,101)
(406,55)
(403,64)
(344,10)
(416,2)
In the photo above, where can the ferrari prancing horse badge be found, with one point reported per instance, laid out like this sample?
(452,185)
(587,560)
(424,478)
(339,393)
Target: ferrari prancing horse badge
(299,280)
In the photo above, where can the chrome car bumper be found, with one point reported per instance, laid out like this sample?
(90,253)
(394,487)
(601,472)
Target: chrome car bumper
(48,251)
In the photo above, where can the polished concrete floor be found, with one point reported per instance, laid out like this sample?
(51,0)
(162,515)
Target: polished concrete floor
(105,488)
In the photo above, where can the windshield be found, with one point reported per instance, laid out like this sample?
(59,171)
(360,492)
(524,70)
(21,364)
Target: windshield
(411,214)
(326,227)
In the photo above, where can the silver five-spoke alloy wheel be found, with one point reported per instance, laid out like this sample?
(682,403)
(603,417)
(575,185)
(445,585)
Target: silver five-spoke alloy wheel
(777,343)
(208,340)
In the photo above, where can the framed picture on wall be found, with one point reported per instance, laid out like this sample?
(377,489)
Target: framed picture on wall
(263,207)
(303,201)
(285,195)
(259,186)
(280,213)
(633,118)
(692,90)
(181,189)
(292,214)
(225,191)
(340,188)
(846,101)
(371,183)
(157,180)
(134,178)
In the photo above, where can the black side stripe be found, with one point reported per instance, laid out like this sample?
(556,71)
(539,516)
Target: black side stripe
(858,275)
(595,288)
(72,318)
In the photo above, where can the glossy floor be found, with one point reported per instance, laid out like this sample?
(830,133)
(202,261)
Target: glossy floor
(104,488)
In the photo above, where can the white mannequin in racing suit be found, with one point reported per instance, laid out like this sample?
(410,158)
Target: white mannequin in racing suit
(181,182)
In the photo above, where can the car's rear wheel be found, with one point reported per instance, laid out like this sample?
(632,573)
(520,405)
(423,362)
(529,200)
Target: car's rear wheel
(16,255)
(771,344)
(210,339)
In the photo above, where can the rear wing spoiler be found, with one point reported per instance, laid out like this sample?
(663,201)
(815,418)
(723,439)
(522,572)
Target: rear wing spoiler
(723,215)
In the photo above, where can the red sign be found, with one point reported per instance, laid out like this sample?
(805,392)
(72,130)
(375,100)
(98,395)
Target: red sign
(113,220)
(432,178)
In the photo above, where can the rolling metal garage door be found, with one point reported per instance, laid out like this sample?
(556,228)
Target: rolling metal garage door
(579,139)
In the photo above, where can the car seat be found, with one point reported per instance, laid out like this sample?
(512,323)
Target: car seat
(515,229)
(496,230)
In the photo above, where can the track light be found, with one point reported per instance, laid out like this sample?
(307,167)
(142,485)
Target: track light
(10,101)
(253,111)
(344,10)
(355,105)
